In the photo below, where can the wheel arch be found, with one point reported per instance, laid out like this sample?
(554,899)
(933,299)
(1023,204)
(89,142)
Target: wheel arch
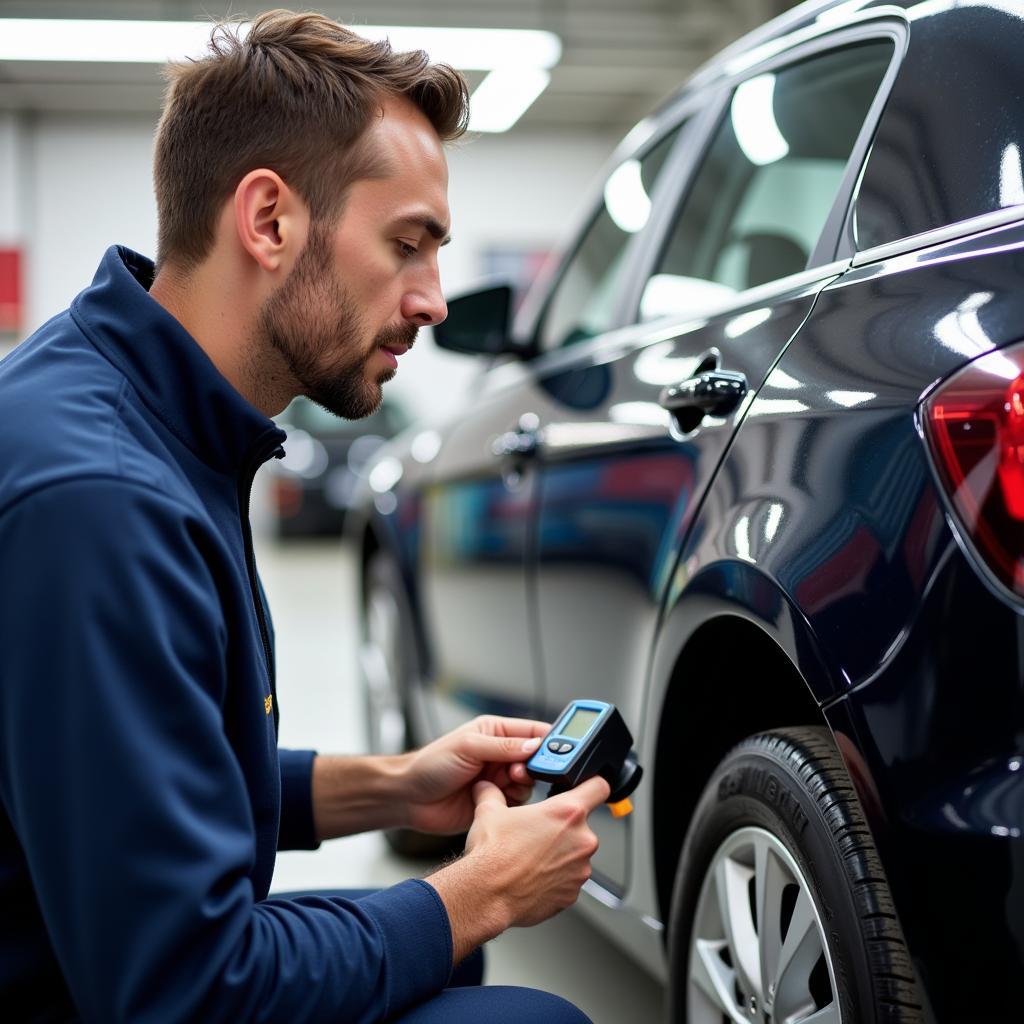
(730,668)
(373,538)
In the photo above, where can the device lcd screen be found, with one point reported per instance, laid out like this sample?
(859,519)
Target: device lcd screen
(578,724)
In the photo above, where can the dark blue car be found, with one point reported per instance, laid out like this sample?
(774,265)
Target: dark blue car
(749,463)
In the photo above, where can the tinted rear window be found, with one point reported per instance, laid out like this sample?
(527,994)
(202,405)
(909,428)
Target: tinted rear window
(950,142)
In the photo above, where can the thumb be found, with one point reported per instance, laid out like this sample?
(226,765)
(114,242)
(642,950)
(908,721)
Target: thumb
(591,794)
(500,749)
(487,794)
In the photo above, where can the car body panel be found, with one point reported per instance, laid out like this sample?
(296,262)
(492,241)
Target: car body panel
(619,487)
(477,520)
(934,163)
(853,570)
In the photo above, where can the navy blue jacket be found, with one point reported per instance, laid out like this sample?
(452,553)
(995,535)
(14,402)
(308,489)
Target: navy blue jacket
(142,797)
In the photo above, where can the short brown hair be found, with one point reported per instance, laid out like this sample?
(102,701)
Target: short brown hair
(295,95)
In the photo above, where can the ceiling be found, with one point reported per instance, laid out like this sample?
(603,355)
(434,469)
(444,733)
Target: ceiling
(620,57)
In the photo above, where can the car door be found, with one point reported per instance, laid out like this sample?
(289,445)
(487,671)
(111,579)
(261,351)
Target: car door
(479,511)
(633,424)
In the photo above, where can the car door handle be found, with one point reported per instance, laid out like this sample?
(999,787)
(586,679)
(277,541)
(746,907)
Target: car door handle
(713,393)
(519,443)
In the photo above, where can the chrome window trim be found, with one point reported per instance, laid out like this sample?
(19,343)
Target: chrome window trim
(643,137)
(620,340)
(841,221)
(737,60)
(680,171)
(702,99)
(936,236)
(877,24)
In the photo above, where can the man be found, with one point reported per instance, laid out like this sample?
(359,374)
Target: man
(301,190)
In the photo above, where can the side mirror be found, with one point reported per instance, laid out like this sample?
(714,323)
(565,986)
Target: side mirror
(478,323)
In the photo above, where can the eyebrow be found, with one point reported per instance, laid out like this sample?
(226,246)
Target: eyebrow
(433,227)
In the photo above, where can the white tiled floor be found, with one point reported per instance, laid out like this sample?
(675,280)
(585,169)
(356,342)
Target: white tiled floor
(311,589)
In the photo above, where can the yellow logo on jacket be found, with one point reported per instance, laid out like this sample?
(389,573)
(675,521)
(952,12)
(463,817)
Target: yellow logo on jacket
(268,703)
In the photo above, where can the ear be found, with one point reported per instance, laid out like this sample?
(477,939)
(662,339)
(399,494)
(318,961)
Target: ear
(270,218)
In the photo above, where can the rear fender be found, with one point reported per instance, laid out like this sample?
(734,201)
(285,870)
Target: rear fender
(733,657)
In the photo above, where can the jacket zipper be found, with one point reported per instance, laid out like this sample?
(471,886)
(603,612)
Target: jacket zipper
(244,498)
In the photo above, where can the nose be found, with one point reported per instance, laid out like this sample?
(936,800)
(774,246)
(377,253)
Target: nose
(423,304)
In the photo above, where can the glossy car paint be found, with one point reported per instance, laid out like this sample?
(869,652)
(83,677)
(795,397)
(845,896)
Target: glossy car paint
(936,163)
(476,522)
(811,515)
(619,486)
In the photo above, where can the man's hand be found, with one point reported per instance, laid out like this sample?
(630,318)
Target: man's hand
(439,778)
(522,864)
(430,789)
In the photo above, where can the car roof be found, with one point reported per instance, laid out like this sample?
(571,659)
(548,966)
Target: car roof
(947,134)
(793,22)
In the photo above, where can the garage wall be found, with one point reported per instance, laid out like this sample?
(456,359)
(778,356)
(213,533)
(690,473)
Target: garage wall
(72,184)
(10,208)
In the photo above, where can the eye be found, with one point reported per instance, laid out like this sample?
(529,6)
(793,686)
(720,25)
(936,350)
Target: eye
(406,249)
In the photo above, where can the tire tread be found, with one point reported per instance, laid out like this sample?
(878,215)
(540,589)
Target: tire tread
(810,754)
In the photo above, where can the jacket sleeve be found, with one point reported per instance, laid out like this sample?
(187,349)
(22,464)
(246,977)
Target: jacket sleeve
(128,801)
(297,830)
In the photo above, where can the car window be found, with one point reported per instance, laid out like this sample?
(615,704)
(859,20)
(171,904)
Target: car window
(768,181)
(583,302)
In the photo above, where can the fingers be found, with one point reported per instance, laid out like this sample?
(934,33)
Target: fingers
(502,773)
(512,780)
(590,794)
(502,749)
(594,791)
(496,725)
(518,795)
(486,794)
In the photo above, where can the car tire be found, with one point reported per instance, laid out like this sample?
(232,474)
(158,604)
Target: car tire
(390,665)
(781,910)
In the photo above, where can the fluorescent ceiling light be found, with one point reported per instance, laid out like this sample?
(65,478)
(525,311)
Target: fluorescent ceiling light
(625,197)
(640,413)
(474,49)
(776,407)
(850,398)
(932,7)
(1011,177)
(741,539)
(683,296)
(114,42)
(153,42)
(739,325)
(771,525)
(753,121)
(504,96)
(781,379)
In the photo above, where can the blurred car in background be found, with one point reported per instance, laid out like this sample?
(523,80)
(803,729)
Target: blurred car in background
(749,464)
(313,486)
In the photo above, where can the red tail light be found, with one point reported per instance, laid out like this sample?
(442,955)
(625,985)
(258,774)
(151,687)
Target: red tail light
(975,427)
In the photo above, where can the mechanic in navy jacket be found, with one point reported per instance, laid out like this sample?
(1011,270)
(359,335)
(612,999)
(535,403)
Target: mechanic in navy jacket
(301,186)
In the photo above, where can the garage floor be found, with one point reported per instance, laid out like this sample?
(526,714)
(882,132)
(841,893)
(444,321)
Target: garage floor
(311,589)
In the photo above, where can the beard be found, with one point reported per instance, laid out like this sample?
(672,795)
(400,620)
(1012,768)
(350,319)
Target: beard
(314,325)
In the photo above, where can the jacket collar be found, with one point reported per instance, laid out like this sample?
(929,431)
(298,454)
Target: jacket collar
(172,374)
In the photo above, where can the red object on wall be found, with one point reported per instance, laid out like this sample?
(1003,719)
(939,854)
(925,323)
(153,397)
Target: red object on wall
(10,290)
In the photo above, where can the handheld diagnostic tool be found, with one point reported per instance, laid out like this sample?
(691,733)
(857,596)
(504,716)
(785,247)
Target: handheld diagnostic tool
(589,738)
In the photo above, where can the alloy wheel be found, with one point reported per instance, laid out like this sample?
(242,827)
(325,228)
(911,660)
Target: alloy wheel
(758,953)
